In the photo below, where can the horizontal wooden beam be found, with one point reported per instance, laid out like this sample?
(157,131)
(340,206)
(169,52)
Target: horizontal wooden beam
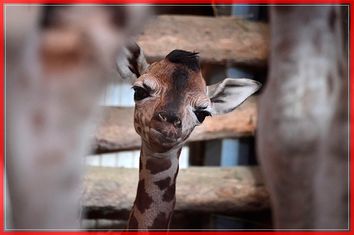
(117,133)
(109,192)
(220,40)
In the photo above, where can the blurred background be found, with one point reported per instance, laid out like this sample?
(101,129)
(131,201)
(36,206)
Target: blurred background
(220,185)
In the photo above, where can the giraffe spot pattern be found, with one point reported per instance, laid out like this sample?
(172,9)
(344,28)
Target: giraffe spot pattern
(157,165)
(162,184)
(169,195)
(160,222)
(143,200)
(160,174)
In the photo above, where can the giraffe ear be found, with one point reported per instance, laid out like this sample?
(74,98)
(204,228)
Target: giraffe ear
(131,62)
(226,95)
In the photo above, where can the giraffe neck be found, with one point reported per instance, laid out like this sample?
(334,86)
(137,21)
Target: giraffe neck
(155,198)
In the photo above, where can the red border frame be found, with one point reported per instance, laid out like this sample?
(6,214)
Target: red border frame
(2,52)
(179,1)
(2,110)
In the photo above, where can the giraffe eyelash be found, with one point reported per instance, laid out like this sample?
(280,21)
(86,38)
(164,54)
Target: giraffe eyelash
(201,107)
(149,89)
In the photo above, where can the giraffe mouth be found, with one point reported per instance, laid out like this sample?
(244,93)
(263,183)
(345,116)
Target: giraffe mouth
(163,139)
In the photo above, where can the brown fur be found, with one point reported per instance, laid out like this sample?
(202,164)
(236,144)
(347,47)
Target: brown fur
(160,222)
(143,200)
(169,195)
(163,184)
(176,87)
(172,87)
(157,165)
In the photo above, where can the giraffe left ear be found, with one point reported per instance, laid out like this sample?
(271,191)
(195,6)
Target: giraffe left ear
(131,62)
(226,95)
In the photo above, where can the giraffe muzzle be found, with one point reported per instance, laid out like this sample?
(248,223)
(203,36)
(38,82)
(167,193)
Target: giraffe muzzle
(169,117)
(164,136)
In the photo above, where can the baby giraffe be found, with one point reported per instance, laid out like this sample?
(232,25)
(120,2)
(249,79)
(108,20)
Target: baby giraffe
(171,98)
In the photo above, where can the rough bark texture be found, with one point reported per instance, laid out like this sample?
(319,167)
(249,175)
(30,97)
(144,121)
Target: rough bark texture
(302,129)
(109,137)
(109,192)
(220,40)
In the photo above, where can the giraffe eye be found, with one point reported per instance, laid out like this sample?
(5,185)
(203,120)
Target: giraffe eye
(140,93)
(201,115)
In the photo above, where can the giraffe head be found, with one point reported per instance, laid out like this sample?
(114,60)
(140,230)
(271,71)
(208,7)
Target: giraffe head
(172,98)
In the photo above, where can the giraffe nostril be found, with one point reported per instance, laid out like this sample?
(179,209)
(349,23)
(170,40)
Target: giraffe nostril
(177,123)
(162,117)
(169,117)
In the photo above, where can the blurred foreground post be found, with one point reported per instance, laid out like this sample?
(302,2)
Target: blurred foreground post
(303,119)
(54,83)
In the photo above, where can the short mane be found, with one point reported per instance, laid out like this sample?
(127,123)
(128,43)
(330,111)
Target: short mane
(189,59)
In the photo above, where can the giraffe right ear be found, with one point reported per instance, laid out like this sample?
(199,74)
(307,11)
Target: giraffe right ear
(131,62)
(226,95)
